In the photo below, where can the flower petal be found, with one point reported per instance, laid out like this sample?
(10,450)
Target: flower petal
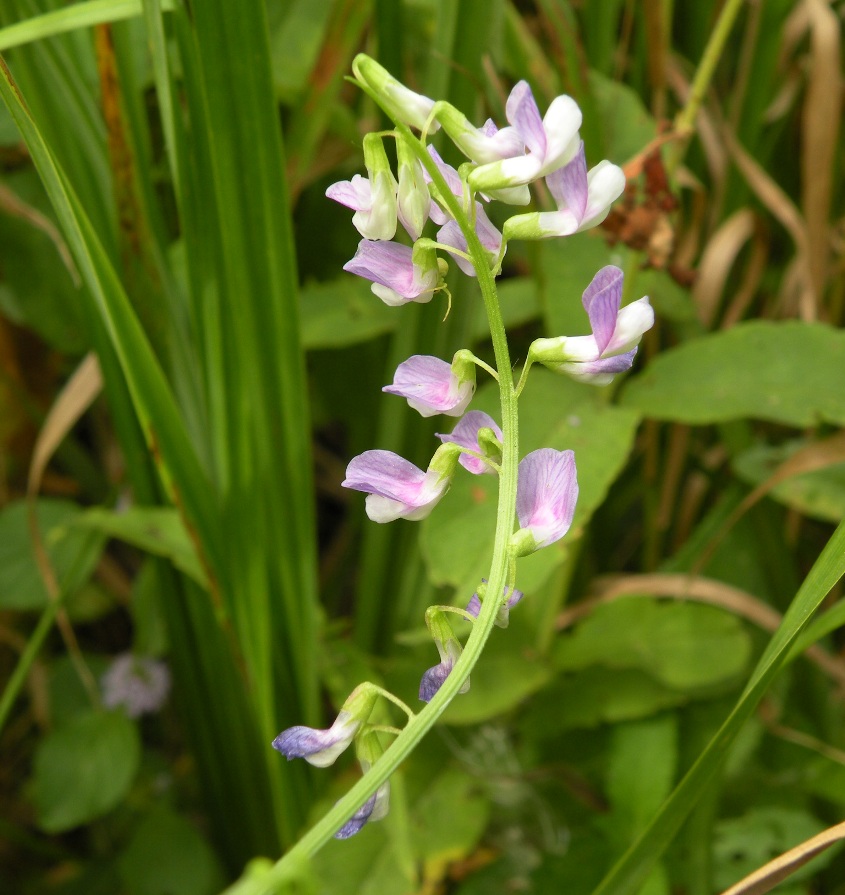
(318,747)
(601,302)
(547,490)
(522,112)
(568,185)
(430,386)
(465,434)
(631,322)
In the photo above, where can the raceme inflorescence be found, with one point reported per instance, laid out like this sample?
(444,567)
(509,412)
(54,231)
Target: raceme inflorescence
(537,493)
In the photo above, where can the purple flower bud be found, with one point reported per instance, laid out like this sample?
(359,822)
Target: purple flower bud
(466,434)
(546,493)
(375,808)
(433,386)
(398,274)
(395,488)
(433,679)
(616,333)
(139,684)
(503,615)
(318,747)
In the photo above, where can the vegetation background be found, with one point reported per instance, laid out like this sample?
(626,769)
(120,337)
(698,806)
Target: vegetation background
(185,372)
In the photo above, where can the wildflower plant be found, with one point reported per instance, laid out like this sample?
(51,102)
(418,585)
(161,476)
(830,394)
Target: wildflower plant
(538,491)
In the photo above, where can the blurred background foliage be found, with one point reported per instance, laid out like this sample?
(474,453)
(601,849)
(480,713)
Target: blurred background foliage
(162,210)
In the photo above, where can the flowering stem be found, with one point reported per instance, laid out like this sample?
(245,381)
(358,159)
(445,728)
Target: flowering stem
(420,724)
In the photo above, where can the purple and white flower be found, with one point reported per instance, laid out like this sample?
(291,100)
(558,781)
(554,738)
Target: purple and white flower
(431,385)
(546,493)
(413,198)
(616,333)
(138,684)
(373,198)
(434,678)
(319,747)
(399,274)
(395,488)
(503,615)
(583,200)
(466,434)
(550,143)
(491,239)
(375,808)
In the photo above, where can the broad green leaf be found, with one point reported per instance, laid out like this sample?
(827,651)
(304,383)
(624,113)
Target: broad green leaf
(788,372)
(819,494)
(457,537)
(684,646)
(632,869)
(84,769)
(167,855)
(73,553)
(597,696)
(643,759)
(342,312)
(627,126)
(158,530)
(742,844)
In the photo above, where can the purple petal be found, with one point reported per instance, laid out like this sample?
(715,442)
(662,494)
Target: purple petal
(546,493)
(384,473)
(451,176)
(474,606)
(568,185)
(465,434)
(358,819)
(450,234)
(318,747)
(355,193)
(390,264)
(433,680)
(522,112)
(601,302)
(430,386)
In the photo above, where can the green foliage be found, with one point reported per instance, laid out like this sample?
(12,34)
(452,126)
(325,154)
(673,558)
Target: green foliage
(84,769)
(154,176)
(786,372)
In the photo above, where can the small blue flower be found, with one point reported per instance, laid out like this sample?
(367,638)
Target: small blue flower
(318,747)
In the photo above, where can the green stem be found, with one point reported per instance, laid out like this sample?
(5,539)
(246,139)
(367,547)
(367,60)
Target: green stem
(417,727)
(685,120)
(16,681)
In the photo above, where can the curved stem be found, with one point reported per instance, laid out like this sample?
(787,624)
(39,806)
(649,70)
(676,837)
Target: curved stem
(421,723)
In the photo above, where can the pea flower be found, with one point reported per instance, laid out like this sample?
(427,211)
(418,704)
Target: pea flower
(138,684)
(375,808)
(551,142)
(395,488)
(369,750)
(401,103)
(480,433)
(373,198)
(399,274)
(322,747)
(503,615)
(546,493)
(413,198)
(616,333)
(432,386)
(449,649)
(491,239)
(583,200)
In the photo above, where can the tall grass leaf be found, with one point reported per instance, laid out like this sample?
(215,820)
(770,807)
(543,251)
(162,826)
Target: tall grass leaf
(632,869)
